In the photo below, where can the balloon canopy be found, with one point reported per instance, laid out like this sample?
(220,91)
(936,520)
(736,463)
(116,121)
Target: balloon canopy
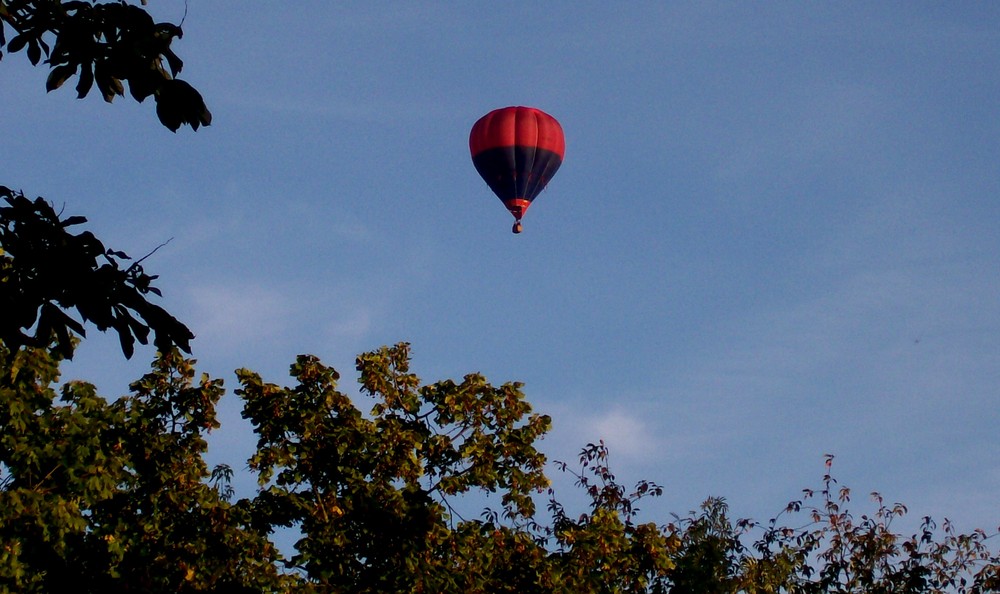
(517,150)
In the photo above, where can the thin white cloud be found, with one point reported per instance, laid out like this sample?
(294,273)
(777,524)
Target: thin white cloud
(228,315)
(627,434)
(354,323)
(624,432)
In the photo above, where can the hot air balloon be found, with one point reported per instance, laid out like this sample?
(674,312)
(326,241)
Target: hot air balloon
(517,150)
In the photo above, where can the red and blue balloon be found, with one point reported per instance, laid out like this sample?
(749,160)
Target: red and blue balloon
(517,150)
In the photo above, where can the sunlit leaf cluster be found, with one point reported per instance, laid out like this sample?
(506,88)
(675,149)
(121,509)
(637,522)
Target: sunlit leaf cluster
(115,495)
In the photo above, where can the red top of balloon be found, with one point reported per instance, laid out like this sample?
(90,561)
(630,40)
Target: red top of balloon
(517,126)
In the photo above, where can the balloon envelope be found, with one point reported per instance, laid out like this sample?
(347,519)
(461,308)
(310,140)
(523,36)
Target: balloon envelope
(517,150)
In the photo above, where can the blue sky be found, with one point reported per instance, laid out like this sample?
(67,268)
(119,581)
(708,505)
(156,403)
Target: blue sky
(773,236)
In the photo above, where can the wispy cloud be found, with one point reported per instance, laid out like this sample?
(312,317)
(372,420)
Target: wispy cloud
(228,315)
(627,434)
(624,432)
(354,323)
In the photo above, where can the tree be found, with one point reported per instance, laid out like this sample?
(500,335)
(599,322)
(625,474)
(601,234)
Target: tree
(103,495)
(107,44)
(113,496)
(371,494)
(841,553)
(45,269)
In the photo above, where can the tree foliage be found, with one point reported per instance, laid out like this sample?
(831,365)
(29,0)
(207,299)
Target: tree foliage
(840,552)
(108,44)
(377,486)
(113,496)
(101,495)
(46,269)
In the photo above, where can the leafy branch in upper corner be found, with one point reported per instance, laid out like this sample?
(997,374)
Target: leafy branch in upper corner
(107,45)
(45,270)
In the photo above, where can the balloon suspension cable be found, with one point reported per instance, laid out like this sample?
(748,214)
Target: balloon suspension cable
(517,228)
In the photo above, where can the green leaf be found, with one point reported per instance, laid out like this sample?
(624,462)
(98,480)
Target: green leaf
(175,63)
(58,76)
(34,51)
(86,81)
(17,43)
